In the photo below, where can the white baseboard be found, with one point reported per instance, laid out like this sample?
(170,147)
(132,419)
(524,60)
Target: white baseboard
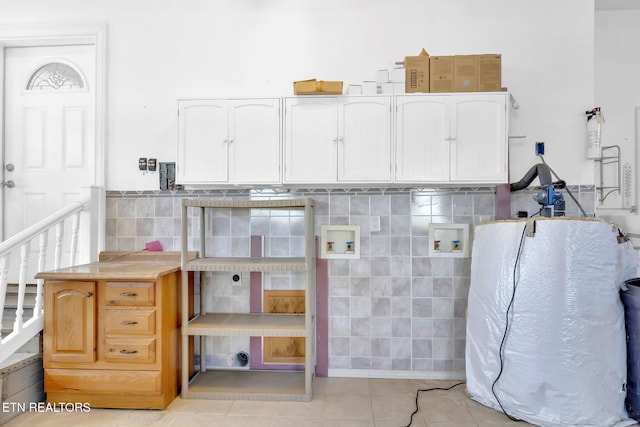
(391,374)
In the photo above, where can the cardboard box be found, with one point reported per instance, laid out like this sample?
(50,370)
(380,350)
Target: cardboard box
(317,87)
(382,76)
(490,73)
(354,90)
(465,73)
(369,88)
(398,75)
(384,88)
(441,74)
(398,87)
(416,70)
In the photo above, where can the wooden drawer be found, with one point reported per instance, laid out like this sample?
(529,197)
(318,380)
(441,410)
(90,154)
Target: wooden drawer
(130,293)
(139,350)
(102,381)
(130,322)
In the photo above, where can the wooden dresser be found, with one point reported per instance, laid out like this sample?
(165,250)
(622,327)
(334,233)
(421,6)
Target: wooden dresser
(112,332)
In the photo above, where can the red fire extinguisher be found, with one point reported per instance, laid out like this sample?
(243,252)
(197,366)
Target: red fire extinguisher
(595,120)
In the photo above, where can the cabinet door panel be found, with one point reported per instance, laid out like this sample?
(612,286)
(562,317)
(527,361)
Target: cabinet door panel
(202,142)
(69,325)
(254,141)
(422,139)
(364,139)
(311,137)
(478,139)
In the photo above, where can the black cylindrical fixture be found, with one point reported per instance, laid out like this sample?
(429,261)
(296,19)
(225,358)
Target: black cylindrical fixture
(631,303)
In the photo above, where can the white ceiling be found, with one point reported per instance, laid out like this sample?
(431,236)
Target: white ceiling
(617,4)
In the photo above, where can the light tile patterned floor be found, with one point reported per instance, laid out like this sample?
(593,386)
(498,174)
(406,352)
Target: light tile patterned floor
(337,402)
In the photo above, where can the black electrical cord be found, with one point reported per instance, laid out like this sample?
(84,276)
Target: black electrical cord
(429,389)
(502,343)
(506,326)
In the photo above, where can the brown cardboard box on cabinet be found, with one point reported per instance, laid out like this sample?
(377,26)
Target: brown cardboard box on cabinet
(441,74)
(416,70)
(490,73)
(317,87)
(465,73)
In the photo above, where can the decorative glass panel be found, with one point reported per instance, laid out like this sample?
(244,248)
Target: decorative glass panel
(55,75)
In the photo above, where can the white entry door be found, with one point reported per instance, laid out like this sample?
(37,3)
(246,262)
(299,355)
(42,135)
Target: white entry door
(49,136)
(49,130)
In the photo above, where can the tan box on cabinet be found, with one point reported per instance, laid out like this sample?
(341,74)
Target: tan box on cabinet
(317,87)
(490,73)
(416,70)
(441,74)
(465,73)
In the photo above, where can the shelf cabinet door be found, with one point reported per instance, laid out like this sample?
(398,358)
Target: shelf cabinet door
(254,141)
(310,140)
(364,139)
(203,142)
(479,138)
(422,139)
(70,322)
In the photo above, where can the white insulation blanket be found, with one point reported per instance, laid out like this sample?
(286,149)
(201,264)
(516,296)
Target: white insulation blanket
(564,356)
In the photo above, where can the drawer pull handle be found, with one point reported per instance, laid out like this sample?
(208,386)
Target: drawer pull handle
(127,294)
(128,322)
(128,351)
(88,294)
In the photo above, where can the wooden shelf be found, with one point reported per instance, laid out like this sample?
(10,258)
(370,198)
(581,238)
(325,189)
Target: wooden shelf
(249,324)
(249,385)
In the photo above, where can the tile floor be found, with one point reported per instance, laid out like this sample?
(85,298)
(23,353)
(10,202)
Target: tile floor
(337,402)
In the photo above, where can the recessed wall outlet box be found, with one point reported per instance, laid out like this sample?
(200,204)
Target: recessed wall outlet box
(167,176)
(142,163)
(151,165)
(539,148)
(449,240)
(340,241)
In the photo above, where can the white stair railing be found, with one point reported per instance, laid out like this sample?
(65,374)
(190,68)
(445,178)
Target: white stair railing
(18,248)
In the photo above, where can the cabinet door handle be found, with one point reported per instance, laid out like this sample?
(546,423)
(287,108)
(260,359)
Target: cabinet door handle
(88,294)
(127,294)
(128,322)
(128,351)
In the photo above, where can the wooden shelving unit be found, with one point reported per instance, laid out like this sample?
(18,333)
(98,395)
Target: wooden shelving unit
(248,384)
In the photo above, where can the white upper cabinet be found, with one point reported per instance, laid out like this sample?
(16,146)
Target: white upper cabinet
(310,140)
(479,138)
(234,141)
(451,138)
(422,133)
(345,140)
(202,142)
(364,139)
(331,140)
